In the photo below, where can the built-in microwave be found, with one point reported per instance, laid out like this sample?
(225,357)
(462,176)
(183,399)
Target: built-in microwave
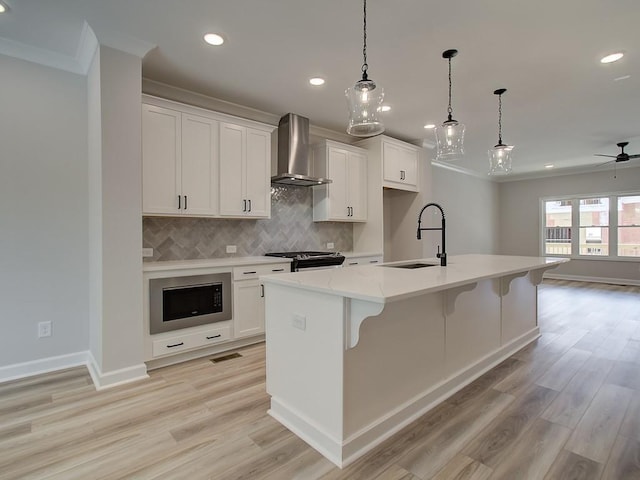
(182,302)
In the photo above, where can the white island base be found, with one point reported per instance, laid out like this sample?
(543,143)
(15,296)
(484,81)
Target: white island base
(354,355)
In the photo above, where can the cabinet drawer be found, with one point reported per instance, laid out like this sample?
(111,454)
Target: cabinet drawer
(350,262)
(180,343)
(254,271)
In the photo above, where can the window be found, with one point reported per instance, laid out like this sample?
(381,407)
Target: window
(597,226)
(557,240)
(594,226)
(629,226)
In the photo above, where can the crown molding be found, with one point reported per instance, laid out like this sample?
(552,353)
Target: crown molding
(462,170)
(41,56)
(123,42)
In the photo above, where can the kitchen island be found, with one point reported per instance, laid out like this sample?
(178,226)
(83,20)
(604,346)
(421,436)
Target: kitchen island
(355,354)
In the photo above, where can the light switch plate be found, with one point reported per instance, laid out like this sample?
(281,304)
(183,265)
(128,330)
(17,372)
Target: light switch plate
(330,245)
(232,249)
(147,252)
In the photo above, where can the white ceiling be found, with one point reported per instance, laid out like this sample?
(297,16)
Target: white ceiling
(561,107)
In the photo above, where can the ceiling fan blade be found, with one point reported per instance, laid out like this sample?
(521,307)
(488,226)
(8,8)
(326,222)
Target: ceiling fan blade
(601,155)
(634,156)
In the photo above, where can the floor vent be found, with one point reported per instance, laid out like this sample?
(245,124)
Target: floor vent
(226,357)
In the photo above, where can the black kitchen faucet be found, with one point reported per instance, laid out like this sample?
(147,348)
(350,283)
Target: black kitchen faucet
(442,256)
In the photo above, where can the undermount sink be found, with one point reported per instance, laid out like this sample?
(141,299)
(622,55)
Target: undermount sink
(411,265)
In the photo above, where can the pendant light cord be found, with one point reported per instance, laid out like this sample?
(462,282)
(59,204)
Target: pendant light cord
(365,66)
(499,119)
(449,109)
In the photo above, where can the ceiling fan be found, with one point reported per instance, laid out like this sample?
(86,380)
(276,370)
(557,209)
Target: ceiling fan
(621,157)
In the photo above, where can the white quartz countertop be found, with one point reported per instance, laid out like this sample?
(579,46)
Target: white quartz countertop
(211,263)
(382,283)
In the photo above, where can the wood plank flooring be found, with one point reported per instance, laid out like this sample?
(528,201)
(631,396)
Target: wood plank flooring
(565,407)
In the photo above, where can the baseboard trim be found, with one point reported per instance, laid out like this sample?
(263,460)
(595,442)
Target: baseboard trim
(117,377)
(71,360)
(581,278)
(43,365)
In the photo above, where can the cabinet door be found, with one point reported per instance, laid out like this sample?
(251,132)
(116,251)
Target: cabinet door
(338,171)
(199,165)
(232,154)
(409,163)
(257,173)
(161,151)
(400,167)
(357,187)
(248,308)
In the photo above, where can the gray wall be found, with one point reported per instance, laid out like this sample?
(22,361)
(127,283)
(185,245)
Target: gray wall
(471,208)
(290,228)
(44,254)
(520,217)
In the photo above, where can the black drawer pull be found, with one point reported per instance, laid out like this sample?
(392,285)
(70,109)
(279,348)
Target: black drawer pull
(248,273)
(277,269)
(373,261)
(214,336)
(175,345)
(353,263)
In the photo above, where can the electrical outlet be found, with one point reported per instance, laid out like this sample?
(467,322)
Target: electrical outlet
(299,322)
(44,329)
(231,249)
(147,252)
(330,245)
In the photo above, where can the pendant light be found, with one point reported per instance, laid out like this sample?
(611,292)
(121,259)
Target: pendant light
(500,154)
(450,136)
(364,99)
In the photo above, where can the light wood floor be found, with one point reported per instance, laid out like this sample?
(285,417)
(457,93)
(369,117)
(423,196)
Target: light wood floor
(565,407)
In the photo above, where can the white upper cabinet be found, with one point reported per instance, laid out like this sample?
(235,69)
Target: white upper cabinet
(203,164)
(179,163)
(345,199)
(245,167)
(400,165)
(399,162)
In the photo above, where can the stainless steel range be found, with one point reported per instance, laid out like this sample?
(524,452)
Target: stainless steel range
(310,260)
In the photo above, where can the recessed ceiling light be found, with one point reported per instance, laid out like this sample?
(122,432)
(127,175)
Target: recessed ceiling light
(614,57)
(429,126)
(213,39)
(624,77)
(549,165)
(385,108)
(317,81)
(3,8)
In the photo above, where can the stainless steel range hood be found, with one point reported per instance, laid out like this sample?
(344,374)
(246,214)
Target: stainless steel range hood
(293,153)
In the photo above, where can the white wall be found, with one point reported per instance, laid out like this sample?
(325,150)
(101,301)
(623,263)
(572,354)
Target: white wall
(520,217)
(471,208)
(116,196)
(43,211)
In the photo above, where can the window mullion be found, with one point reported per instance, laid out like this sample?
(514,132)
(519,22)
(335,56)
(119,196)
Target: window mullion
(575,227)
(613,226)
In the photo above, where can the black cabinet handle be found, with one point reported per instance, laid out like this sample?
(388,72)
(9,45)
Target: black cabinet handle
(402,175)
(373,261)
(244,208)
(214,336)
(175,345)
(277,269)
(179,202)
(353,263)
(248,273)
(185,202)
(261,290)
(249,204)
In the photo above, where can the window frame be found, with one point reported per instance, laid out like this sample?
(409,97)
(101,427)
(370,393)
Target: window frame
(575,226)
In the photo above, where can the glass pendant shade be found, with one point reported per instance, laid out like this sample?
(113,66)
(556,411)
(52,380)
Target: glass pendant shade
(365,103)
(500,159)
(450,141)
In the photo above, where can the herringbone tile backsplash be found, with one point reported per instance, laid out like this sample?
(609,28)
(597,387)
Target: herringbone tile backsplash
(290,228)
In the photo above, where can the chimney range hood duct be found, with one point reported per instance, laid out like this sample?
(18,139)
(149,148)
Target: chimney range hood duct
(293,153)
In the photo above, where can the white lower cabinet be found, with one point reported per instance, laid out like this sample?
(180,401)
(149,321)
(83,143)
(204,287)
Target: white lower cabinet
(189,341)
(248,298)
